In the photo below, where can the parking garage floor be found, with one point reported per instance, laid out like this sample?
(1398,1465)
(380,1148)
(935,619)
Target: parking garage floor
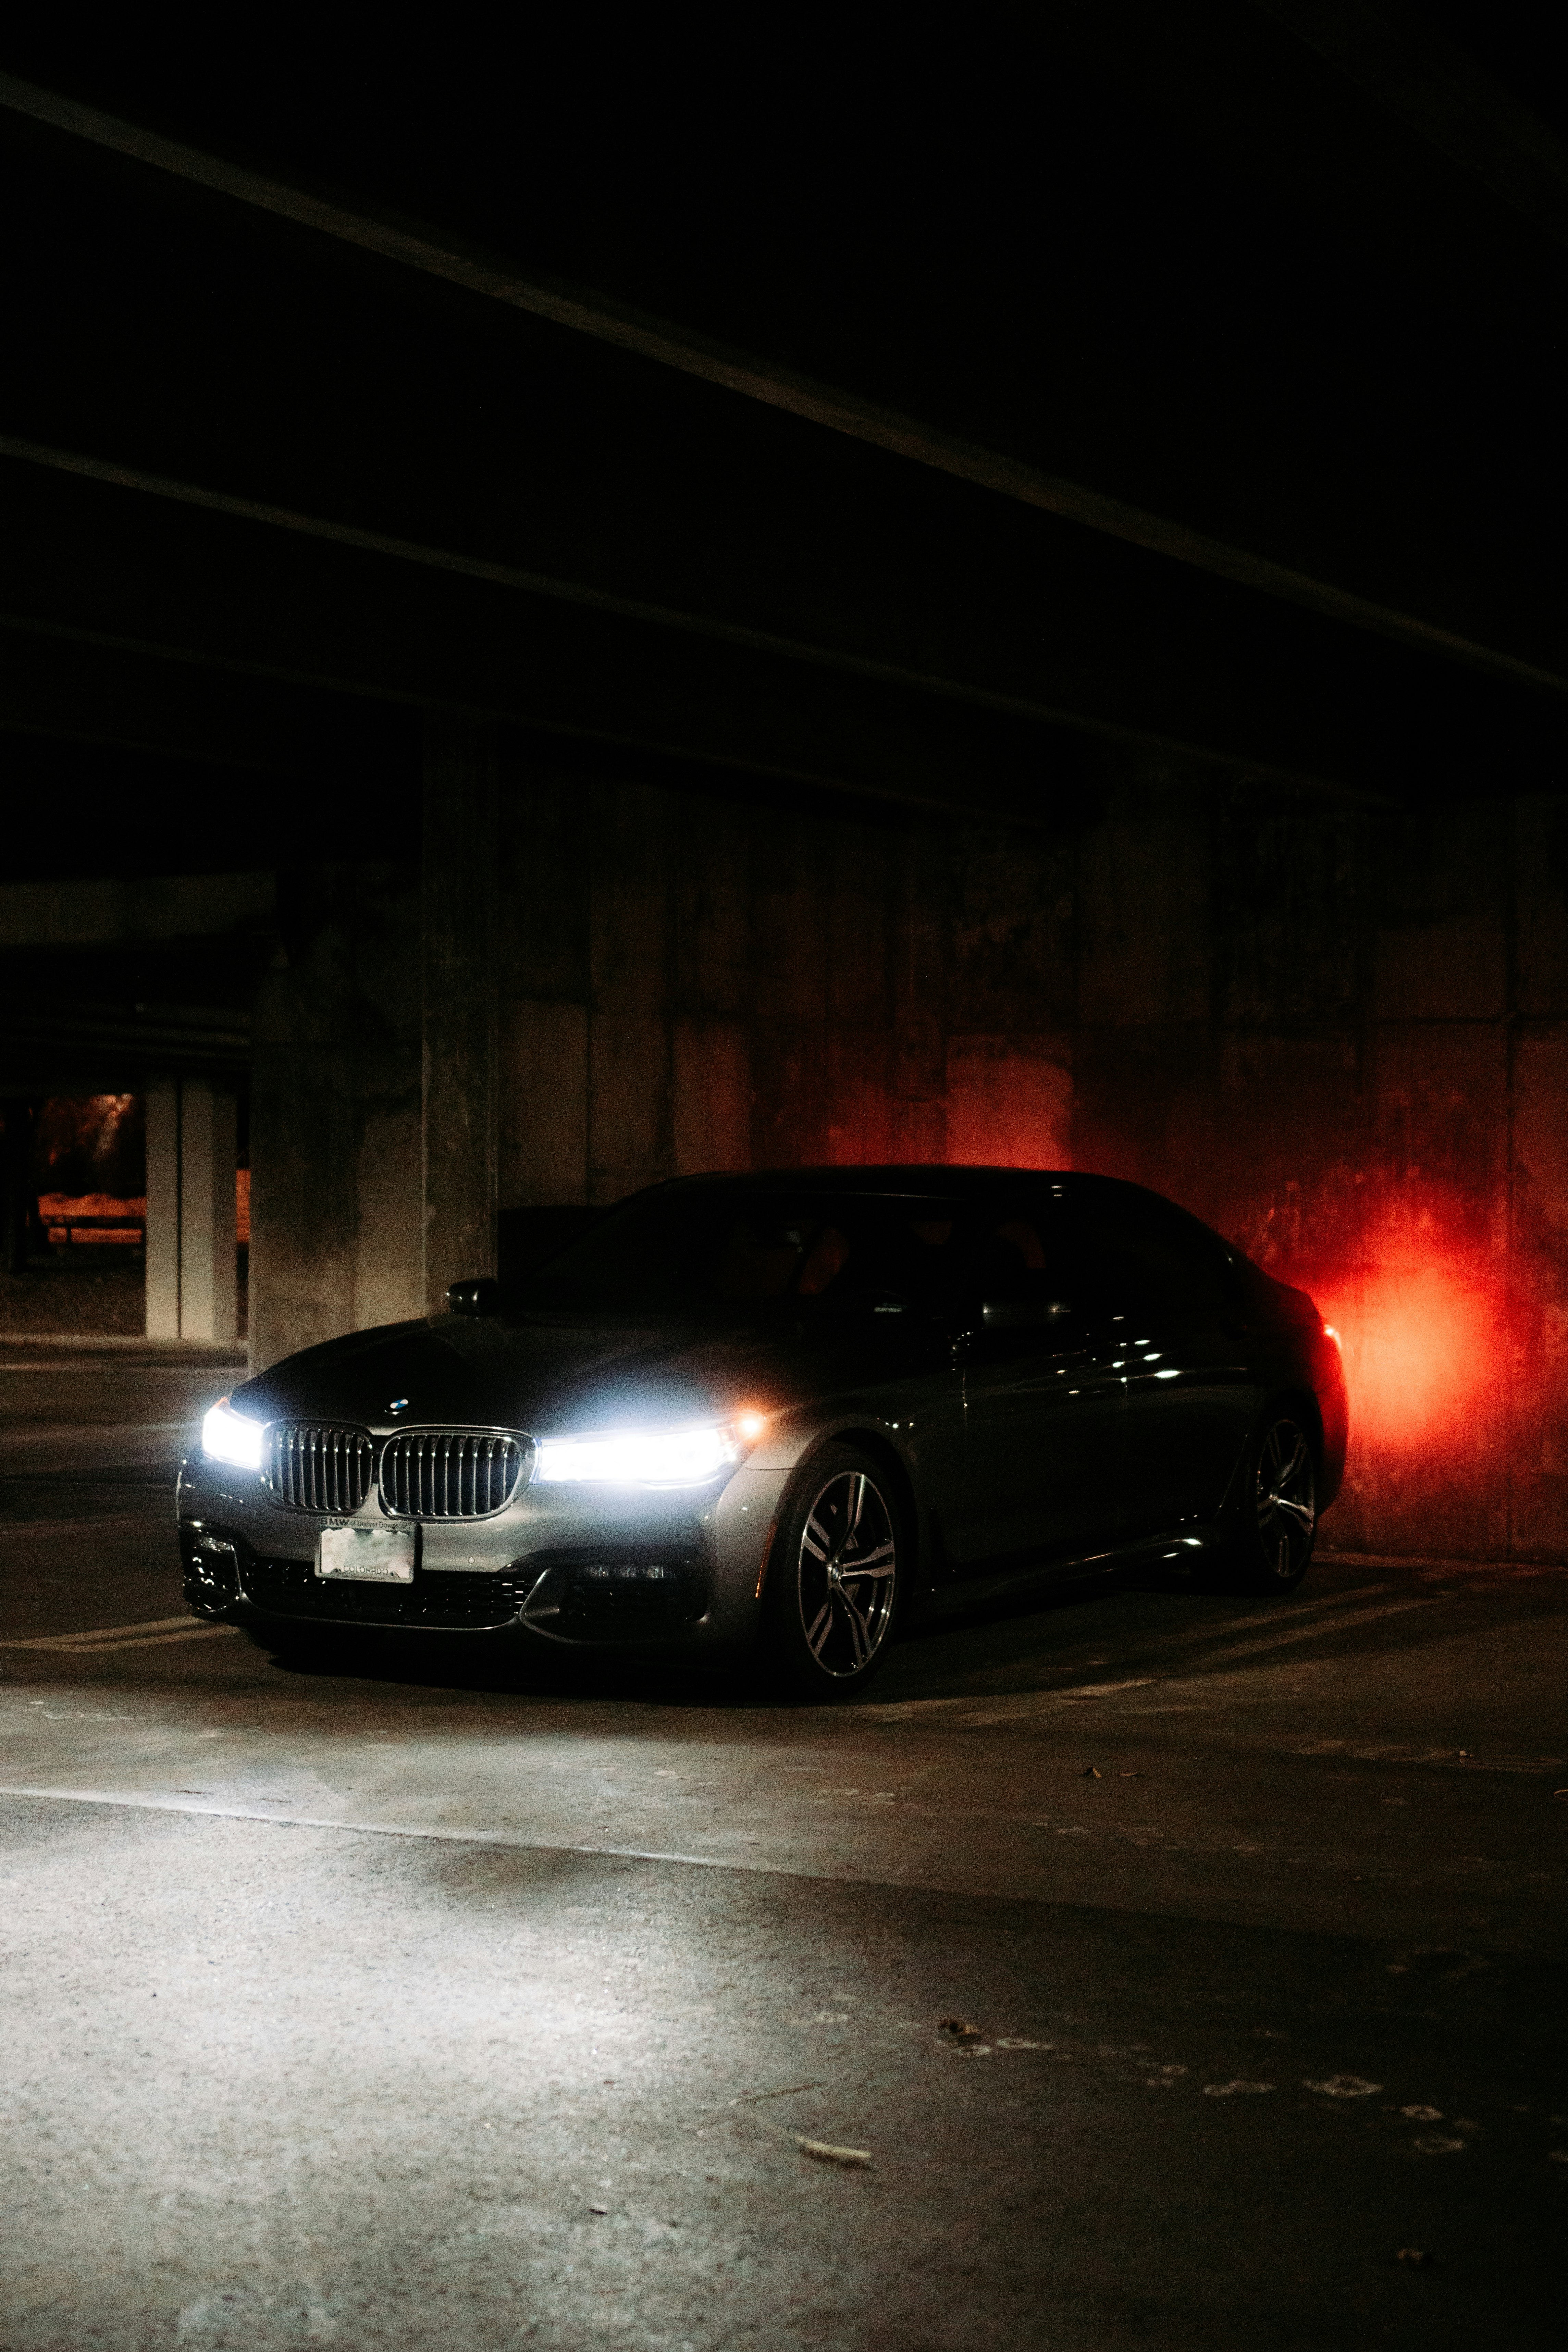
(1147,1969)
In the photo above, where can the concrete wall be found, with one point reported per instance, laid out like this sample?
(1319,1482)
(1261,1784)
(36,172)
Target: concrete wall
(1338,1033)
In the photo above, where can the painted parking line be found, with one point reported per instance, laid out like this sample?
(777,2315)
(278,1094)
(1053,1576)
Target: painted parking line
(1215,1629)
(1321,1630)
(150,1634)
(1275,1616)
(1043,1702)
(966,1714)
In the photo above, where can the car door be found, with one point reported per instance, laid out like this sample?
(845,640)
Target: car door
(879,1285)
(1193,1392)
(1044,1373)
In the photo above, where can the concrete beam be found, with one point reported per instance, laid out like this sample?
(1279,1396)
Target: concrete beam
(941,685)
(114,910)
(1413,70)
(442,255)
(1210,675)
(93,688)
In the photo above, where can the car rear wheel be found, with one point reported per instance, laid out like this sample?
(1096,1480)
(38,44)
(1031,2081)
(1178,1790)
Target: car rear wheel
(833,1584)
(1277,1512)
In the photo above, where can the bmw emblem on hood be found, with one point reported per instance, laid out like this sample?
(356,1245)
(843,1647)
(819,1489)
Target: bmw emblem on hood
(399,1404)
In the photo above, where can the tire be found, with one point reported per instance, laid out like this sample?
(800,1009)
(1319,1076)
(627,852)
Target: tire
(1277,1507)
(835,1577)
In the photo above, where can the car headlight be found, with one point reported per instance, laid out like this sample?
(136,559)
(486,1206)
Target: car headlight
(647,1457)
(229,1436)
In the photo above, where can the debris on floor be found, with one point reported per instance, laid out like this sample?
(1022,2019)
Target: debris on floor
(967,2040)
(1414,2256)
(1344,2086)
(1435,2147)
(1422,2114)
(1229,2090)
(598,2208)
(1090,1772)
(824,2152)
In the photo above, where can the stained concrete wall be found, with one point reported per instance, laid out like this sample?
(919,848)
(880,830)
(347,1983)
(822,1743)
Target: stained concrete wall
(1338,1033)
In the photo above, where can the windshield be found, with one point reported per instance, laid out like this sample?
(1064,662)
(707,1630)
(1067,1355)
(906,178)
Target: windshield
(742,1255)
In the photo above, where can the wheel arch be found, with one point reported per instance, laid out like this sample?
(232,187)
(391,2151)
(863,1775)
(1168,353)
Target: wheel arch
(875,1442)
(1292,1399)
(1305,1405)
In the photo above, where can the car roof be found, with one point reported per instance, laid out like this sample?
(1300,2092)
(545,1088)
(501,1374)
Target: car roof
(921,1180)
(915,1178)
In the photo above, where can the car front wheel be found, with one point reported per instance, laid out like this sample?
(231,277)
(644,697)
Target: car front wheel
(833,1586)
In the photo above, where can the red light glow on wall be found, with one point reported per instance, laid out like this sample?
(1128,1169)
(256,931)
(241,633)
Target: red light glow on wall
(1425,1352)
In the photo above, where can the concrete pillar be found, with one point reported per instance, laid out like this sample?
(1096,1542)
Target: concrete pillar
(208,1287)
(19,1203)
(460,1106)
(191,1153)
(163,1234)
(336,1185)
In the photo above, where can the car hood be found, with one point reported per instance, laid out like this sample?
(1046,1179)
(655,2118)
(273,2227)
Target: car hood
(545,1375)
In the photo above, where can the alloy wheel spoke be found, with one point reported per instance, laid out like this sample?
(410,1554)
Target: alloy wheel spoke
(1287,1505)
(847,1572)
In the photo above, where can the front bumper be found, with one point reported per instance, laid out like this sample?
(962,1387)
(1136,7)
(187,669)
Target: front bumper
(561,1564)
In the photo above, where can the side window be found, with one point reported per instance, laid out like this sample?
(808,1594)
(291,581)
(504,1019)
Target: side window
(1153,1257)
(1019,1254)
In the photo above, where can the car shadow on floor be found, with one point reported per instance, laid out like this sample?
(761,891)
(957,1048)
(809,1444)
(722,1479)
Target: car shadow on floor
(1033,1638)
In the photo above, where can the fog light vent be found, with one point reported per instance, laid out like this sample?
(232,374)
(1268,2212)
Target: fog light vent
(625,1595)
(211,1565)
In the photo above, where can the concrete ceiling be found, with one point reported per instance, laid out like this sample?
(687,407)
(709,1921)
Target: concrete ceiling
(855,413)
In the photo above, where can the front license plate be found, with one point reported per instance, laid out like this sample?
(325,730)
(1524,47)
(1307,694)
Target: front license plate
(369,1555)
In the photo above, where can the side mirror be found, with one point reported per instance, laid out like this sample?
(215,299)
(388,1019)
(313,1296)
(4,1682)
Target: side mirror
(1022,1314)
(481,1295)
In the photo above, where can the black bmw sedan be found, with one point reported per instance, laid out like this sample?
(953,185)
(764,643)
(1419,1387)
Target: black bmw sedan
(792,1406)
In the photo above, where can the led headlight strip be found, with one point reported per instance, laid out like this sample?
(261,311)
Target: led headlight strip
(647,1457)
